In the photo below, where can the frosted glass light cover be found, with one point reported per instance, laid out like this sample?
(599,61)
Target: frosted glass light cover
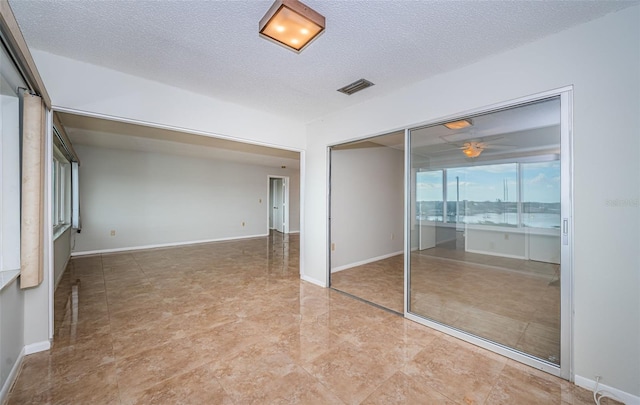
(291,24)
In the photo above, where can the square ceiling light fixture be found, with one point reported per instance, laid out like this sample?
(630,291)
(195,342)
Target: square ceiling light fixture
(459,124)
(291,24)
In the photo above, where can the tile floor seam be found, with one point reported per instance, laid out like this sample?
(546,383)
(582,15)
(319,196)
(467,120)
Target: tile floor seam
(323,384)
(386,380)
(138,265)
(495,383)
(161,382)
(226,391)
(444,394)
(439,342)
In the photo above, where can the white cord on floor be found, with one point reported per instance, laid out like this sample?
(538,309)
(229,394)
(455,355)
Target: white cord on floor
(599,394)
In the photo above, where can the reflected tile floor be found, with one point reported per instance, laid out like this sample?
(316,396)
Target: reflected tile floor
(380,282)
(510,301)
(231,323)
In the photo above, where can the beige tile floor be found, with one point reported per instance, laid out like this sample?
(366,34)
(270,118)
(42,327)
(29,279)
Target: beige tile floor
(231,323)
(509,301)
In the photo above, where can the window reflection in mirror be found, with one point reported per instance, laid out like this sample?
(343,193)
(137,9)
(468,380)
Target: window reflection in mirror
(485,230)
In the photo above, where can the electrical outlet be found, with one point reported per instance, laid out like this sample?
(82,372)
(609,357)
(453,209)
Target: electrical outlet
(113,232)
(333,247)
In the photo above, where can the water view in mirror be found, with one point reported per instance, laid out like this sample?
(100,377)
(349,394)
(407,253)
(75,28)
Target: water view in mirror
(485,230)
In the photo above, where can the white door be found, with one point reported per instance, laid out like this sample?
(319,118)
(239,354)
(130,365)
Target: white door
(278,205)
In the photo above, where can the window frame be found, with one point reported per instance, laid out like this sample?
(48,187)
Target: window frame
(520,212)
(61,193)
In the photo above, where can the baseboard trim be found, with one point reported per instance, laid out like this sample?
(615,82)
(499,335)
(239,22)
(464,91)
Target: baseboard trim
(163,245)
(483,252)
(628,399)
(37,347)
(360,263)
(312,281)
(11,378)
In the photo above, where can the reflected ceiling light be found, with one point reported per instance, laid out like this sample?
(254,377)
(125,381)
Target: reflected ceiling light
(291,24)
(459,124)
(472,149)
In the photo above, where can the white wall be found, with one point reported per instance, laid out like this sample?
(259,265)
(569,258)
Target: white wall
(295,195)
(153,199)
(11,332)
(367,196)
(542,245)
(61,254)
(94,89)
(601,59)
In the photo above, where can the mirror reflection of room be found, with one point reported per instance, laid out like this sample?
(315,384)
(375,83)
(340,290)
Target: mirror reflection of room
(485,219)
(367,208)
(485,227)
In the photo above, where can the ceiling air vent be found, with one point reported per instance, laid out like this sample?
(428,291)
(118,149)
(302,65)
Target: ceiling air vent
(355,87)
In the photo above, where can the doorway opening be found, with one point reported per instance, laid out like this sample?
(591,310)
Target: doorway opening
(278,204)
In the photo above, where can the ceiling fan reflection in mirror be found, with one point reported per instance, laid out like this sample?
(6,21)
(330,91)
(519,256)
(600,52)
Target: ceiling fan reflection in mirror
(473,147)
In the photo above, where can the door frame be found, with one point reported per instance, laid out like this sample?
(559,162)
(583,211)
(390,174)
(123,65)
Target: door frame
(566,368)
(285,203)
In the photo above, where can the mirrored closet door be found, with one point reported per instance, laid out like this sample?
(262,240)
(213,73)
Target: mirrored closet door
(488,226)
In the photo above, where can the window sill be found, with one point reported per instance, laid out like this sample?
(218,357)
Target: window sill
(59,230)
(7,277)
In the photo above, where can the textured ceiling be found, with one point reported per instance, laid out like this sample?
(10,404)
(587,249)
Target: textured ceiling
(213,48)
